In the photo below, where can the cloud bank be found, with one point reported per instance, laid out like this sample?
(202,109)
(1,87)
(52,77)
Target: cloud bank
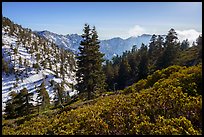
(190,34)
(136,31)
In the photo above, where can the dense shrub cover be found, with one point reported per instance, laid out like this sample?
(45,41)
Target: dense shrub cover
(168,102)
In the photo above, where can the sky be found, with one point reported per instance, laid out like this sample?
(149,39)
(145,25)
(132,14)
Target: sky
(111,19)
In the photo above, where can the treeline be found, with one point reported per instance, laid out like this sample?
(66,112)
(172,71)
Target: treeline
(137,64)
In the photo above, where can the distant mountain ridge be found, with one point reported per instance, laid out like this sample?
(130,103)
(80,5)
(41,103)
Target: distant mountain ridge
(110,47)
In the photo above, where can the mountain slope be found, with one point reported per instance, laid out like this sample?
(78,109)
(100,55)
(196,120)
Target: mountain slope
(28,60)
(159,105)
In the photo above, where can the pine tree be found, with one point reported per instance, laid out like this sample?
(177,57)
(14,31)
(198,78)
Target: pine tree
(5,67)
(97,60)
(185,44)
(134,49)
(90,76)
(10,106)
(43,97)
(199,44)
(143,64)
(124,73)
(109,72)
(159,46)
(171,46)
(20,61)
(15,53)
(156,53)
(133,60)
(152,45)
(60,94)
(22,101)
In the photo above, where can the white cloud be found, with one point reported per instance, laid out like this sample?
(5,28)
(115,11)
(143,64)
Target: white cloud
(136,31)
(190,34)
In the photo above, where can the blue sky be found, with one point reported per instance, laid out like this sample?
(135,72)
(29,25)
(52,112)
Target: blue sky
(112,19)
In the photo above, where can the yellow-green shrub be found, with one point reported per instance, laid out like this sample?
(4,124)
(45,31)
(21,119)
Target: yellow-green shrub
(163,108)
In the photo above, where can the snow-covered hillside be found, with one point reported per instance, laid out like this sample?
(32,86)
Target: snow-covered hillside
(110,47)
(68,42)
(32,60)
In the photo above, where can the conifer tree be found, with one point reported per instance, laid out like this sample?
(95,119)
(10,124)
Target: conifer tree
(20,61)
(43,97)
(199,45)
(143,64)
(90,76)
(10,106)
(109,72)
(124,73)
(96,60)
(133,60)
(185,44)
(171,46)
(60,94)
(22,101)
(5,67)
(152,45)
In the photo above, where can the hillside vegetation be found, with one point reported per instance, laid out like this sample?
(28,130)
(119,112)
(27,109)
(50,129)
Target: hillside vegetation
(168,102)
(33,63)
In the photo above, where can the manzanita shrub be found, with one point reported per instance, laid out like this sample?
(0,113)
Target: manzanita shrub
(168,102)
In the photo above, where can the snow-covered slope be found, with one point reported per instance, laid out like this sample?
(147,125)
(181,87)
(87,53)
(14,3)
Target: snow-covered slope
(110,47)
(22,50)
(69,42)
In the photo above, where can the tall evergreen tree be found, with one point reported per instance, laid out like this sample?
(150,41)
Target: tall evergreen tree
(43,97)
(97,73)
(156,53)
(185,44)
(133,60)
(10,106)
(171,46)
(22,101)
(90,76)
(143,64)
(199,44)
(124,74)
(5,66)
(109,72)
(152,45)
